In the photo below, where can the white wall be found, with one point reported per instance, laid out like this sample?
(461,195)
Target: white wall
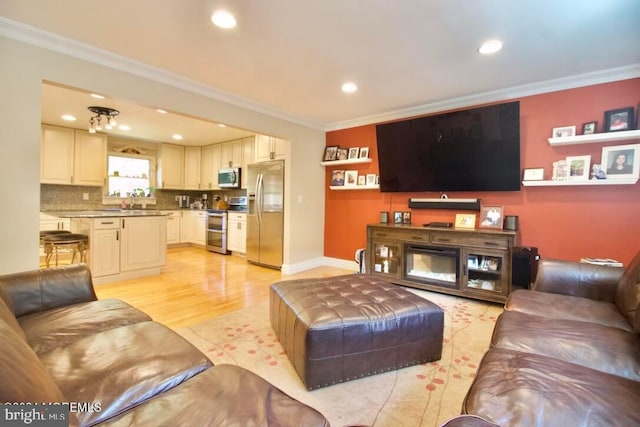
(22,69)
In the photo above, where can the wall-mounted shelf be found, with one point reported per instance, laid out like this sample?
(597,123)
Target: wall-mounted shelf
(621,136)
(354,187)
(346,162)
(620,181)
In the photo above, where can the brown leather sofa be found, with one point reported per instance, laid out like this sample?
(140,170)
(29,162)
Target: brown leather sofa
(566,353)
(116,366)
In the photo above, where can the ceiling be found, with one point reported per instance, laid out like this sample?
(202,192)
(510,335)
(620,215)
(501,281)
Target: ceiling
(290,57)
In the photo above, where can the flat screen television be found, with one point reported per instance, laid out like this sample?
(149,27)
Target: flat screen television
(476,149)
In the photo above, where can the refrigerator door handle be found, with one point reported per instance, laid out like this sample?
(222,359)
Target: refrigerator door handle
(259,197)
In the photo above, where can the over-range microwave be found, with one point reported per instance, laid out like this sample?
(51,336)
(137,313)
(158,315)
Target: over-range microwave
(229,177)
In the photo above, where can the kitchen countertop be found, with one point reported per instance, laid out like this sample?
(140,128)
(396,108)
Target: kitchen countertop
(107,213)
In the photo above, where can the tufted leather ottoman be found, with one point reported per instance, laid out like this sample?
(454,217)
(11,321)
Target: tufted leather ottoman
(337,329)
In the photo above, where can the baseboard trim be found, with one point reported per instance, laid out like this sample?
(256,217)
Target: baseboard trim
(319,262)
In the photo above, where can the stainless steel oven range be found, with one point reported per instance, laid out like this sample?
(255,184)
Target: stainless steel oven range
(217,231)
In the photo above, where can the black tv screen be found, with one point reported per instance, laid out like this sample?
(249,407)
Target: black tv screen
(470,150)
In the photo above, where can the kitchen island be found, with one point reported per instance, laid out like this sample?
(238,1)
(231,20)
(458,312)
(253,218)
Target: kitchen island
(123,244)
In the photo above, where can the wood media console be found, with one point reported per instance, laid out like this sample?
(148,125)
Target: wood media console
(470,263)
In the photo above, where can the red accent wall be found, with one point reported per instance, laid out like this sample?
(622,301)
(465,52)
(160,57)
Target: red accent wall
(562,222)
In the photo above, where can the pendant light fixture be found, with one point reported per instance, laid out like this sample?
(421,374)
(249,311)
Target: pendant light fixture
(106,113)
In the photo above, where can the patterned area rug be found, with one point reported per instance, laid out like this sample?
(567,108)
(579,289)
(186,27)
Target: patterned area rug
(420,396)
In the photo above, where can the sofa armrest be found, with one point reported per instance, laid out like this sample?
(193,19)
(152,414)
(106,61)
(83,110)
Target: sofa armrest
(578,279)
(39,290)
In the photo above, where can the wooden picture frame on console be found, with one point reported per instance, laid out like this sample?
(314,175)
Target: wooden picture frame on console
(466,221)
(491,217)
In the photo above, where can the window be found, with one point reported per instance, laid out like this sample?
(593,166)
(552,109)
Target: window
(129,175)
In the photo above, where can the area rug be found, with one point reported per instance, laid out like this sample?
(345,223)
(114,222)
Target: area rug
(418,396)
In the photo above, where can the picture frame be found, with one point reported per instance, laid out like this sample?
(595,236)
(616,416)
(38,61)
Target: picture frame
(353,153)
(533,174)
(330,153)
(397,218)
(578,167)
(343,154)
(619,120)
(615,166)
(589,128)
(491,217)
(351,178)
(337,178)
(406,218)
(472,262)
(364,152)
(490,263)
(563,132)
(371,179)
(466,221)
(361,180)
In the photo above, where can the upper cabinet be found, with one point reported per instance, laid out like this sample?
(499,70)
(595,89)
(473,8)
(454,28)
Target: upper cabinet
(248,157)
(209,167)
(171,166)
(192,168)
(72,157)
(231,154)
(269,148)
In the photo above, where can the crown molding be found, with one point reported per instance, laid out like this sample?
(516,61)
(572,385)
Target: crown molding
(569,82)
(56,43)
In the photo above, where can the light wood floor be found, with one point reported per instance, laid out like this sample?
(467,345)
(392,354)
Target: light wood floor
(196,285)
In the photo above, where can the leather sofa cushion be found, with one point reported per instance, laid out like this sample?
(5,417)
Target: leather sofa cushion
(60,326)
(566,307)
(628,292)
(605,349)
(520,389)
(23,378)
(122,367)
(224,395)
(6,316)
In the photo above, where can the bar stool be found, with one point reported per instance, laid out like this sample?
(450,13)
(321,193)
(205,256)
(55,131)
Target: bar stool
(65,242)
(45,233)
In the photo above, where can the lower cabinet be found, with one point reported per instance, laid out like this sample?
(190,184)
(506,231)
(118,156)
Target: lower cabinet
(174,220)
(193,227)
(121,246)
(237,232)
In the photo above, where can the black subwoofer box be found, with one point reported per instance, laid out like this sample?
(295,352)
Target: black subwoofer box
(524,267)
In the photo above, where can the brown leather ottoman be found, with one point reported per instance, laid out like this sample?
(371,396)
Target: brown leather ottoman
(336,329)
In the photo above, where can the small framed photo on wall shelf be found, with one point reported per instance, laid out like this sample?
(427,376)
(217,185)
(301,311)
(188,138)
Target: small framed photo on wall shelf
(364,152)
(589,128)
(343,153)
(353,152)
(491,217)
(351,178)
(620,119)
(533,174)
(466,221)
(371,179)
(337,178)
(579,167)
(330,153)
(621,161)
(563,132)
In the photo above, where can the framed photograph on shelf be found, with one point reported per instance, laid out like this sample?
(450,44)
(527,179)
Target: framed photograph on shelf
(343,153)
(589,128)
(472,262)
(466,221)
(397,218)
(330,153)
(337,178)
(563,132)
(491,217)
(362,180)
(621,161)
(533,174)
(353,152)
(620,119)
(579,167)
(371,179)
(364,152)
(406,218)
(351,178)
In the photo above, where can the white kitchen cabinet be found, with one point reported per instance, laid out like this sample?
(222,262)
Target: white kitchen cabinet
(193,227)
(209,167)
(72,157)
(51,222)
(144,243)
(231,154)
(192,168)
(174,218)
(171,166)
(104,244)
(248,157)
(269,148)
(237,232)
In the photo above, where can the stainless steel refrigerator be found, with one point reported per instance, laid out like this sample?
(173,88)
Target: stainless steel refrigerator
(265,216)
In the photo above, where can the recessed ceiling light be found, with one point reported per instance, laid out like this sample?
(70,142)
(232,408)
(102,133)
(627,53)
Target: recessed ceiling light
(176,136)
(490,46)
(161,111)
(68,118)
(95,95)
(222,125)
(223,19)
(124,127)
(349,87)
